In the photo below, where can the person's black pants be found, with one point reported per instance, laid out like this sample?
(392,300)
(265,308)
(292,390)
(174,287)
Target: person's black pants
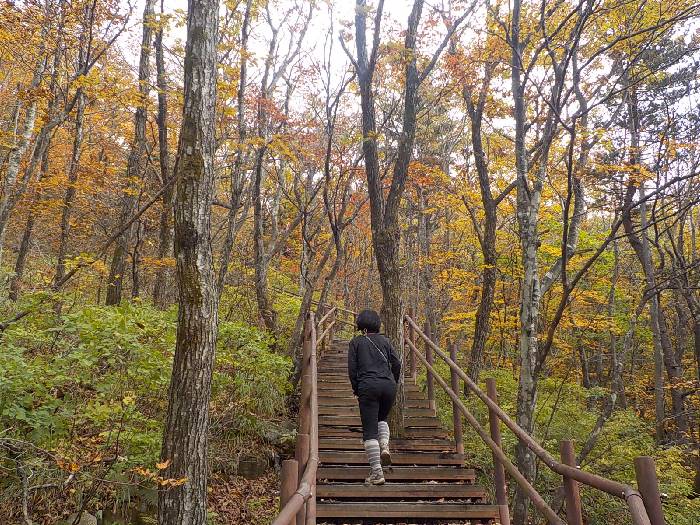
(376,397)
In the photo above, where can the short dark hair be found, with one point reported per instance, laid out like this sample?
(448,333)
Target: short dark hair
(368,321)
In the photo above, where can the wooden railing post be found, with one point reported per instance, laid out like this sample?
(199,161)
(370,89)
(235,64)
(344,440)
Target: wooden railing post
(321,311)
(302,456)
(574,515)
(331,332)
(305,398)
(290,480)
(412,338)
(456,412)
(648,486)
(429,380)
(499,474)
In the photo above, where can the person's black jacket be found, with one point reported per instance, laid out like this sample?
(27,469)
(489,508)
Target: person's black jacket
(367,362)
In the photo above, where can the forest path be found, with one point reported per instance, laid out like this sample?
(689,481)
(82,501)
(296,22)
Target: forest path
(427,483)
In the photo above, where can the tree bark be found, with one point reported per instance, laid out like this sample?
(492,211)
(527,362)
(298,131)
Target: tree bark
(237,172)
(185,437)
(617,384)
(384,214)
(487,235)
(664,356)
(69,196)
(135,166)
(165,234)
(8,191)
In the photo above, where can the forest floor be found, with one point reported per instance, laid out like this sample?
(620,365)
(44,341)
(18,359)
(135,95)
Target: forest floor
(239,501)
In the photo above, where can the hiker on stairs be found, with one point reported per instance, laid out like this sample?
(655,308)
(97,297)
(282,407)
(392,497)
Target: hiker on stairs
(374,369)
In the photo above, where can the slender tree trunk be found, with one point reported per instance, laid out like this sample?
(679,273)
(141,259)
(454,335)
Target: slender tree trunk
(25,245)
(136,261)
(185,437)
(425,230)
(7,192)
(135,166)
(238,172)
(487,239)
(696,347)
(664,356)
(165,234)
(528,201)
(617,383)
(69,196)
(261,258)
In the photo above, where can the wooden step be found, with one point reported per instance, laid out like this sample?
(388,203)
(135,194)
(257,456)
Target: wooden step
(331,443)
(348,457)
(349,421)
(400,473)
(345,401)
(401,490)
(418,432)
(340,390)
(335,379)
(350,410)
(387,509)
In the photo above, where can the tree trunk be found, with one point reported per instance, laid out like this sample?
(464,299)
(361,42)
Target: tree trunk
(425,271)
(261,258)
(136,164)
(487,238)
(237,173)
(25,245)
(7,192)
(528,200)
(69,196)
(185,437)
(165,234)
(384,214)
(664,356)
(617,384)
(696,347)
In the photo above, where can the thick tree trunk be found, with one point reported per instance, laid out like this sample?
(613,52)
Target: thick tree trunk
(165,234)
(185,437)
(385,212)
(135,165)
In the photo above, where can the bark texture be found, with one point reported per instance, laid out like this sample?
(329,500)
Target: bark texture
(165,236)
(135,166)
(187,424)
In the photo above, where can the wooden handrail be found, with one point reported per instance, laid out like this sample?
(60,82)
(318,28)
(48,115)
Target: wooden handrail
(631,496)
(537,500)
(304,496)
(326,331)
(328,314)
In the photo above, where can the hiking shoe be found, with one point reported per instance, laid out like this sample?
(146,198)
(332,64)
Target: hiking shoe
(375,478)
(385,455)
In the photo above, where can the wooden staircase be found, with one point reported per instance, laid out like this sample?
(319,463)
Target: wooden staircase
(427,483)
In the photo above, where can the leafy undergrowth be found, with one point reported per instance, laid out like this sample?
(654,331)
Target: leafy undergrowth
(239,501)
(566,410)
(83,395)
